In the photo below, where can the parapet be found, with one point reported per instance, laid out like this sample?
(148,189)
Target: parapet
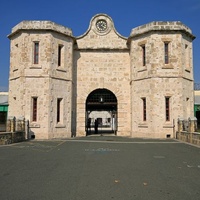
(40,25)
(162,26)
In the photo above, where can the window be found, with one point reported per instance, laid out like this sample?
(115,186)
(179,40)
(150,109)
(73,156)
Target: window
(143,55)
(17,58)
(166,47)
(167,107)
(187,56)
(144,109)
(34,109)
(36,53)
(59,55)
(59,110)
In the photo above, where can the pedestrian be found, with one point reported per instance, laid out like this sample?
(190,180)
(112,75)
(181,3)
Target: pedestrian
(88,126)
(96,126)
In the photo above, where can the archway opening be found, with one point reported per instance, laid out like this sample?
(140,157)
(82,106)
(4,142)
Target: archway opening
(101,112)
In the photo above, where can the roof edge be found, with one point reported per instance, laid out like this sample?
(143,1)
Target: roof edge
(161,26)
(40,25)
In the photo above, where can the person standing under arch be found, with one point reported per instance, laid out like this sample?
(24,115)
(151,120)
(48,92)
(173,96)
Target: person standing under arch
(96,126)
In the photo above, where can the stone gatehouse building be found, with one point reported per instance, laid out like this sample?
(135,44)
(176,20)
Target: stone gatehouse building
(137,86)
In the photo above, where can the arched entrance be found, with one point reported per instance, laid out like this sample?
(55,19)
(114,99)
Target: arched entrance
(101,112)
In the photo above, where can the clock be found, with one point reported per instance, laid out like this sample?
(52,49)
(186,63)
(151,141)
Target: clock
(101,25)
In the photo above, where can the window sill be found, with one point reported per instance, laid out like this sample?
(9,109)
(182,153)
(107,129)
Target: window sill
(143,125)
(187,70)
(168,125)
(61,70)
(168,66)
(144,68)
(34,125)
(60,126)
(36,67)
(14,70)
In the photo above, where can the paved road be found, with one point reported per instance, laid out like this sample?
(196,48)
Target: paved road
(97,168)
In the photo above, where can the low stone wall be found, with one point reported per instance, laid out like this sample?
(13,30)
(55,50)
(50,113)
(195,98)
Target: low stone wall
(193,138)
(11,137)
(16,131)
(187,131)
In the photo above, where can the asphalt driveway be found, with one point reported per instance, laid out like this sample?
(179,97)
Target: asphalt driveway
(100,167)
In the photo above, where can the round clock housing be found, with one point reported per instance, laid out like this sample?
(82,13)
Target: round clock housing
(101,25)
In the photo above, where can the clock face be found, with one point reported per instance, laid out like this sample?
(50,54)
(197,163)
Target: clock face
(101,25)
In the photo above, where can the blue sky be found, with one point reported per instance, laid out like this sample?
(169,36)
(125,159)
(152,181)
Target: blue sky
(76,14)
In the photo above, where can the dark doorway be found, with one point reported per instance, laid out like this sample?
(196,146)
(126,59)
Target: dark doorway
(101,112)
(3,117)
(198,119)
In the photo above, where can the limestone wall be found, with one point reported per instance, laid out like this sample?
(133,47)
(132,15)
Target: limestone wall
(101,59)
(46,80)
(156,80)
(104,70)
(109,39)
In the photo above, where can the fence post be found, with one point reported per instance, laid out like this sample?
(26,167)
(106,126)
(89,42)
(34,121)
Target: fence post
(11,124)
(192,124)
(8,125)
(180,124)
(192,127)
(21,124)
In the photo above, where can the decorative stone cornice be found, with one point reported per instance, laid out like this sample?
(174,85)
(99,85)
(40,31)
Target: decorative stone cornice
(40,25)
(161,26)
